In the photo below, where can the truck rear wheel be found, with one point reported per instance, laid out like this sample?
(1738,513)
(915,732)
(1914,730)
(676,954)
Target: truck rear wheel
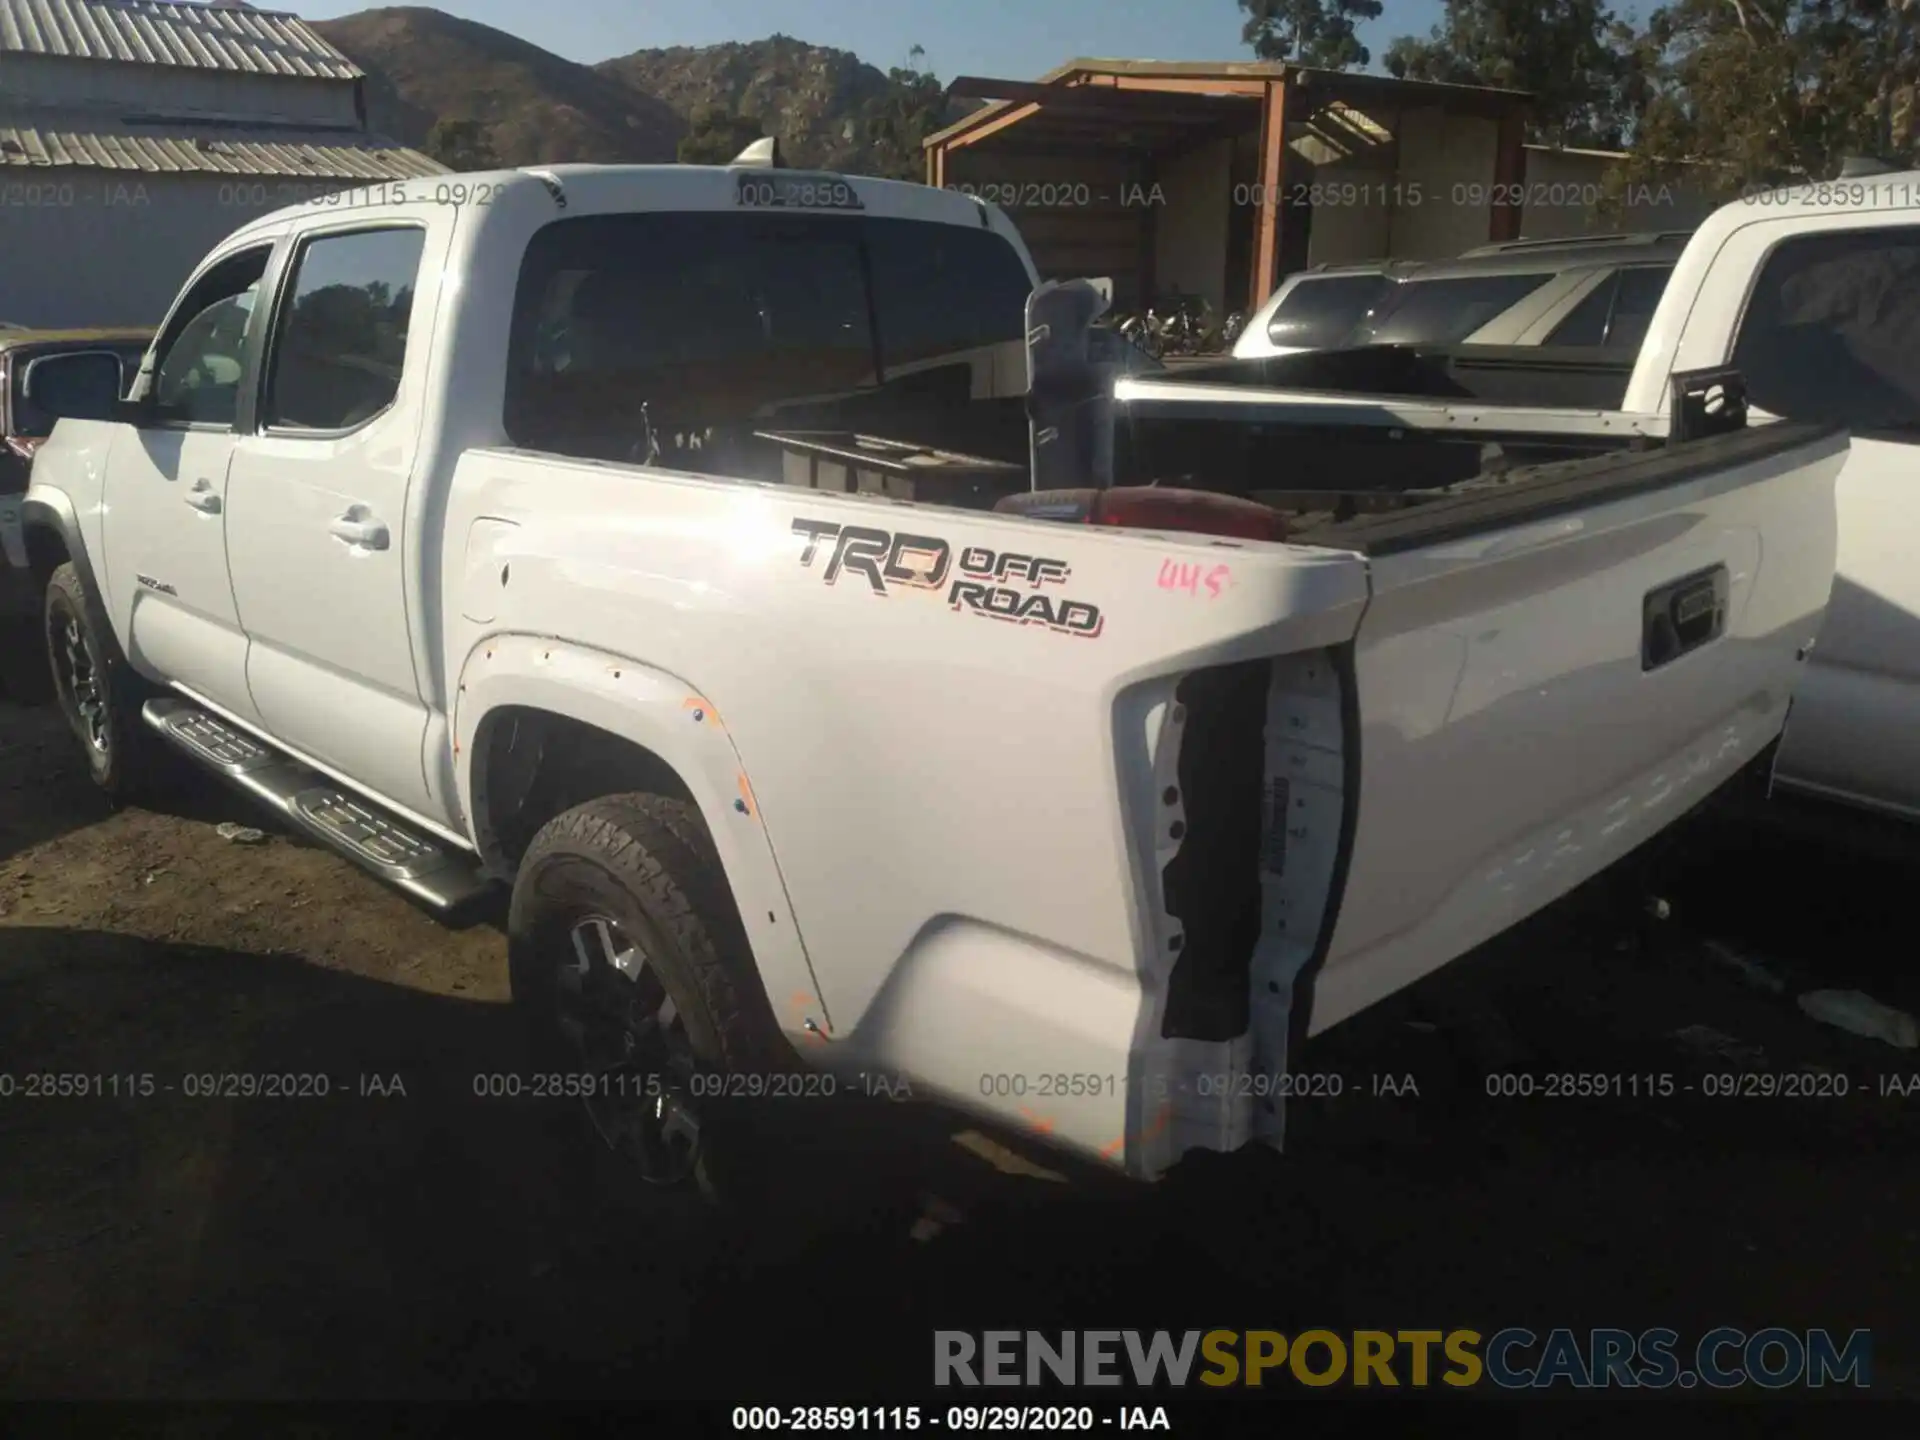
(99,692)
(635,983)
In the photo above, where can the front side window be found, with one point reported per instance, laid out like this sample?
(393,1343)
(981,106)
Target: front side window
(203,355)
(342,338)
(1445,312)
(1832,331)
(1319,312)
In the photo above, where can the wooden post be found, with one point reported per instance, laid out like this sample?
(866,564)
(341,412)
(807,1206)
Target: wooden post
(1269,212)
(1146,279)
(1509,178)
(937,165)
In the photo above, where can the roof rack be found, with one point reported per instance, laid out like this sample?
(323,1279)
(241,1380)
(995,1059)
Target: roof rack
(1378,260)
(1570,242)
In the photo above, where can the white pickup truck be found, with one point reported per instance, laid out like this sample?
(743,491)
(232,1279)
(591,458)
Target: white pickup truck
(1813,294)
(663,542)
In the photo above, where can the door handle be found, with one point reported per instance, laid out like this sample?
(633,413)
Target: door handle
(356,527)
(203,497)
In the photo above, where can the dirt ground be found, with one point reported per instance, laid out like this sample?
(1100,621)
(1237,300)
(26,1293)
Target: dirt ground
(438,1245)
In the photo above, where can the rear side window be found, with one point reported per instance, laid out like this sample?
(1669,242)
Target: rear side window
(1587,324)
(1640,290)
(1320,313)
(342,336)
(1832,331)
(1616,312)
(1442,312)
(707,318)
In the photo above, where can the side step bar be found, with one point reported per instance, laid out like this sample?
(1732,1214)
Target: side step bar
(443,878)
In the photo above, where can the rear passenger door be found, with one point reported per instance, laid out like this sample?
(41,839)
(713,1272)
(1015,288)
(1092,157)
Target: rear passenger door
(1831,331)
(317,529)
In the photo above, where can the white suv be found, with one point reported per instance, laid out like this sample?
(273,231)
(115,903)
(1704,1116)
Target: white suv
(1597,291)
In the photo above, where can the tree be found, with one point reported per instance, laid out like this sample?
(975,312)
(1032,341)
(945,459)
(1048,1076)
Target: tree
(461,145)
(1764,91)
(1576,56)
(1323,33)
(893,124)
(714,136)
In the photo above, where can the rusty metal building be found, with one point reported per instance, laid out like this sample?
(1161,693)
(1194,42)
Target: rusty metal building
(1218,179)
(134,134)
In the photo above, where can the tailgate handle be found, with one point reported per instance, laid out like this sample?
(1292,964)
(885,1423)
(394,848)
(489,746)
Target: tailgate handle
(1683,615)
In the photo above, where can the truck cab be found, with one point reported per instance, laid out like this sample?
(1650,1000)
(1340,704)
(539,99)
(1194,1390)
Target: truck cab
(723,559)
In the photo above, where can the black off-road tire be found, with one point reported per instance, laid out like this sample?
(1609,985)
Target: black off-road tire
(125,759)
(645,861)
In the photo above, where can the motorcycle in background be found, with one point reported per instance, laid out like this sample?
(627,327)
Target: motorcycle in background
(1179,324)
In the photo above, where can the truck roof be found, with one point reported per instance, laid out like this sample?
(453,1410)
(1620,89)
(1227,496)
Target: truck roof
(594,189)
(1893,192)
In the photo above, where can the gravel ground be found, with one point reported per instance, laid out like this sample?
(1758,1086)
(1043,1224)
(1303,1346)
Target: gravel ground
(435,1245)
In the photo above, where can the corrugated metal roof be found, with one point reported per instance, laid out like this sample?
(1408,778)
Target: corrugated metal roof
(82,138)
(159,32)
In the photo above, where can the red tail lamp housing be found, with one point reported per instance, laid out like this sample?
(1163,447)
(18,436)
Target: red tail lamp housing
(1153,507)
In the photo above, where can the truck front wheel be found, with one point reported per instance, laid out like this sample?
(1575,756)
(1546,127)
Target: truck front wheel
(99,693)
(636,987)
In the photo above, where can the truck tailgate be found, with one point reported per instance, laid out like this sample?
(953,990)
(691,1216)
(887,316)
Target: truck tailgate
(1537,698)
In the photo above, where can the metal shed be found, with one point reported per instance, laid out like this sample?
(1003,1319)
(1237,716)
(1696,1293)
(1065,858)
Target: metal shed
(134,134)
(1221,177)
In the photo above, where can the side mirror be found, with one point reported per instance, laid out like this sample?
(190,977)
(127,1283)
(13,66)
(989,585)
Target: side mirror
(137,413)
(76,385)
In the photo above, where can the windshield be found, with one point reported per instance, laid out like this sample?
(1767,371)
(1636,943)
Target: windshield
(1321,311)
(1444,312)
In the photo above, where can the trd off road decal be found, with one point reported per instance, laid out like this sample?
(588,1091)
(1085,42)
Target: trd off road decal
(983,581)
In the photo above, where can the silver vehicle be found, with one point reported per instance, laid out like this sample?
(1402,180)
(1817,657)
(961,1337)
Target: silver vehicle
(1596,291)
(1318,309)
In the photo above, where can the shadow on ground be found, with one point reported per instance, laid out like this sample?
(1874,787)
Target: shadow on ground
(430,1243)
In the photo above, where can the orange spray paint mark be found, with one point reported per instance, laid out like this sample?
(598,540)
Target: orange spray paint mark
(801,1003)
(1042,1123)
(746,794)
(695,702)
(1165,1113)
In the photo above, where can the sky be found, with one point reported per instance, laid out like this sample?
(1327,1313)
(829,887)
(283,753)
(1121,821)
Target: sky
(1007,39)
